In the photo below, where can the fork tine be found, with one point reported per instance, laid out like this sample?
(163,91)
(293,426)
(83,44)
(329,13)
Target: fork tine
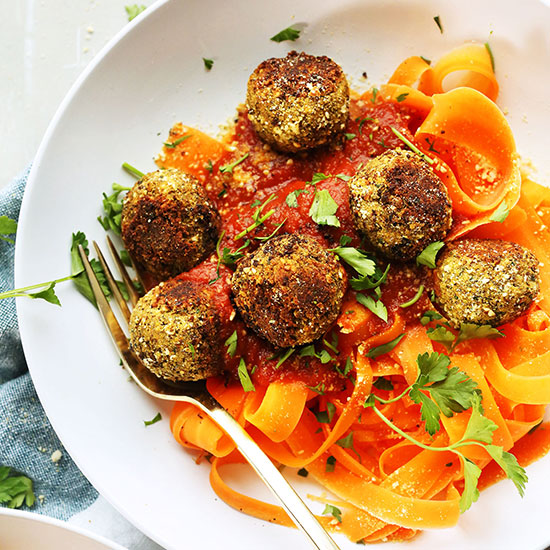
(132,292)
(113,285)
(104,308)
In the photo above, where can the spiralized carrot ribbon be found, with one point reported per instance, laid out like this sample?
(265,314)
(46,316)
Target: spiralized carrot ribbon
(192,428)
(277,412)
(476,143)
(472,58)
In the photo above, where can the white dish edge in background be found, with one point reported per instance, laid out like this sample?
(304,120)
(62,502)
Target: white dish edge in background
(21,530)
(150,76)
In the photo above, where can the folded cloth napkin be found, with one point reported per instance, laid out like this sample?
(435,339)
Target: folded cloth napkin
(27,441)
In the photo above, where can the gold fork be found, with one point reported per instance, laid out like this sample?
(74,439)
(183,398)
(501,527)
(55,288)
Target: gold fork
(197,394)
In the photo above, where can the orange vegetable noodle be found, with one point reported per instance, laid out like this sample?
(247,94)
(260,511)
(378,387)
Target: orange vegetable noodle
(385,486)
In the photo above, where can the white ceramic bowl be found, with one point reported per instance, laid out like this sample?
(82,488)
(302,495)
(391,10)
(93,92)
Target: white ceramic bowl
(25,531)
(152,75)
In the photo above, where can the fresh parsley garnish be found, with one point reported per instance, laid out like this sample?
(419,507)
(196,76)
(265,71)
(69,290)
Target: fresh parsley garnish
(429,316)
(112,206)
(175,143)
(426,60)
(7,227)
(374,94)
(323,209)
(362,121)
(208,63)
(244,377)
(258,217)
(133,10)
(412,146)
(349,136)
(157,418)
(402,97)
(452,392)
(364,265)
(375,306)
(467,331)
(414,299)
(382,383)
(377,351)
(330,463)
(15,490)
(501,213)
(431,145)
(283,355)
(437,20)
(491,56)
(428,255)
(292,198)
(228,168)
(132,170)
(231,344)
(333,511)
(290,33)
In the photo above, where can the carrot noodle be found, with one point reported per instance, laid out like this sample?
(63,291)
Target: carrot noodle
(386,487)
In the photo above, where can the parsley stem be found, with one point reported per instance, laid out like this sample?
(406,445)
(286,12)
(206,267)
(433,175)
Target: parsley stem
(414,299)
(253,226)
(394,399)
(412,146)
(21,291)
(134,171)
(228,168)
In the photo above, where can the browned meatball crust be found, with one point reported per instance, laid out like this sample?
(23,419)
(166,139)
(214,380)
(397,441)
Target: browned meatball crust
(400,204)
(169,224)
(175,331)
(298,102)
(485,282)
(290,290)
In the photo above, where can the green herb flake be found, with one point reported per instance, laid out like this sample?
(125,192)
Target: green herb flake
(290,33)
(302,472)
(402,97)
(376,306)
(157,418)
(175,143)
(428,255)
(331,462)
(429,316)
(501,213)
(228,168)
(437,20)
(7,227)
(349,136)
(231,344)
(284,356)
(323,209)
(356,259)
(377,351)
(426,60)
(133,10)
(15,490)
(414,299)
(132,170)
(374,95)
(208,63)
(412,146)
(491,56)
(333,511)
(244,377)
(382,383)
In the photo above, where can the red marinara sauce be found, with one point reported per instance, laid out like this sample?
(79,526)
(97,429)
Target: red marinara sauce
(247,180)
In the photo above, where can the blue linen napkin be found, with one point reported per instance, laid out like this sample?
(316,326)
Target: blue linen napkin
(27,439)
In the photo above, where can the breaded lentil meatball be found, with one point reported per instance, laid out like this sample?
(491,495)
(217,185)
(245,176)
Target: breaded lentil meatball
(169,224)
(175,331)
(485,282)
(290,290)
(400,204)
(298,102)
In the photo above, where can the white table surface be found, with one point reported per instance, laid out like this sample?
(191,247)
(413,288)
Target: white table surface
(44,46)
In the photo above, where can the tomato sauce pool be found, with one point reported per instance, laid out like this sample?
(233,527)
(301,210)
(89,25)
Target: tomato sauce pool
(261,193)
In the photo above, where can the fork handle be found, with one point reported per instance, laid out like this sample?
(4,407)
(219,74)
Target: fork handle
(292,503)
